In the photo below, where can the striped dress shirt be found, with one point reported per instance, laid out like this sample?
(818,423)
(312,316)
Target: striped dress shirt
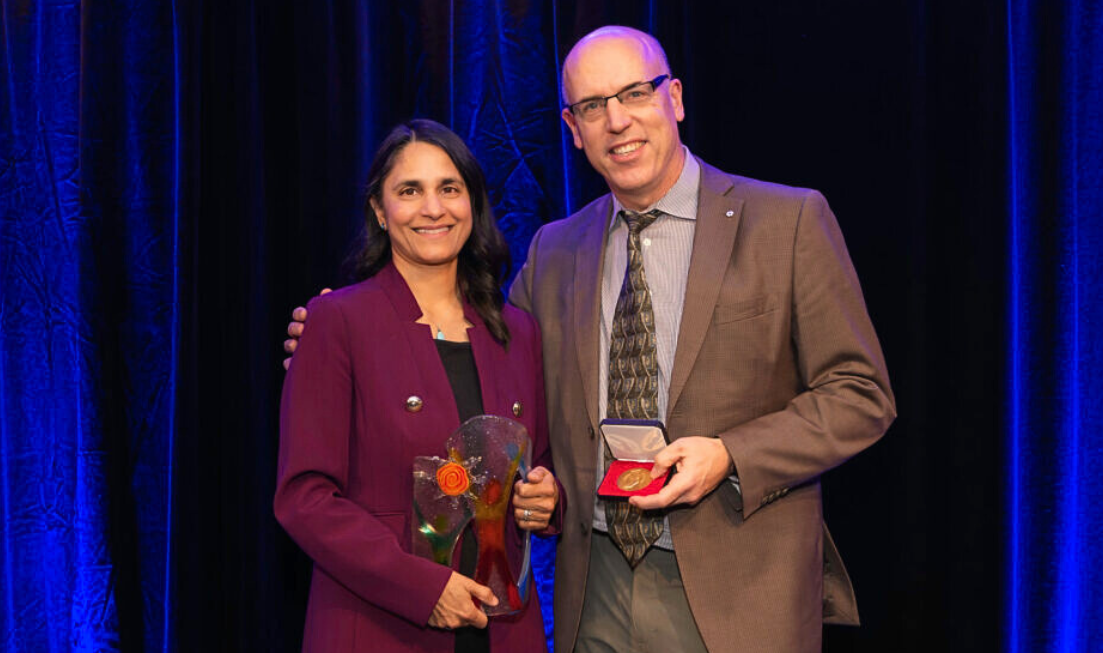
(667,245)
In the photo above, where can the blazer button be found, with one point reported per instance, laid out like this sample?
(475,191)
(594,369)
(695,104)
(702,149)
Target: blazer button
(517,409)
(591,428)
(585,527)
(413,403)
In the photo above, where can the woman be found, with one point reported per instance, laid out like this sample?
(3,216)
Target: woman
(387,370)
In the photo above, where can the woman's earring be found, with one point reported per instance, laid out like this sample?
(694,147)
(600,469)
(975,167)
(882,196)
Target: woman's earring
(382,225)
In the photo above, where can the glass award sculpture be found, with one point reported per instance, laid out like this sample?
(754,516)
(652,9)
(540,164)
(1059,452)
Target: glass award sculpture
(475,482)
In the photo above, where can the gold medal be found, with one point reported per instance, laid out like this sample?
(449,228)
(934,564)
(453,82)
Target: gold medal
(634,479)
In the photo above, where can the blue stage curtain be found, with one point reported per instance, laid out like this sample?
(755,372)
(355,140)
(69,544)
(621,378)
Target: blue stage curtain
(1056,286)
(89,162)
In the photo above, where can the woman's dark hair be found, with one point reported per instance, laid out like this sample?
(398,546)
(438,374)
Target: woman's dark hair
(483,262)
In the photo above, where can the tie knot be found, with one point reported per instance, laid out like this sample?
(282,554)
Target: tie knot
(637,222)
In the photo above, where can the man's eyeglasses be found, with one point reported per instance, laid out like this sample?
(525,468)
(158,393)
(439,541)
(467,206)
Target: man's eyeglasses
(636,94)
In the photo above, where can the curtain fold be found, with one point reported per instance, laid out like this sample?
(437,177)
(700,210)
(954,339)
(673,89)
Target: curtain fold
(1056,280)
(48,434)
(88,273)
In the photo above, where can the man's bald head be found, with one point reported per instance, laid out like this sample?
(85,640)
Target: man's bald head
(631,141)
(649,46)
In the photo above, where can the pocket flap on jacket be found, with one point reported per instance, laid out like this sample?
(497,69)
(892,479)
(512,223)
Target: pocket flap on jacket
(744,309)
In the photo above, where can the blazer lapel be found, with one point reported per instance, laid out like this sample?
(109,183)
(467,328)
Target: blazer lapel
(718,216)
(424,359)
(589,261)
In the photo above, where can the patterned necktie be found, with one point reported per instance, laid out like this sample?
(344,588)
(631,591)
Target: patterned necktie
(633,385)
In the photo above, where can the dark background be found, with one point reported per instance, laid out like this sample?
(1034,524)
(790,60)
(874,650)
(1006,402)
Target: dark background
(178,177)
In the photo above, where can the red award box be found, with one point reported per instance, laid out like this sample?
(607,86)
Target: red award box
(633,444)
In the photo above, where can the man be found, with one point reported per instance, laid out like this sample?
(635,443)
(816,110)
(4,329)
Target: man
(757,353)
(769,374)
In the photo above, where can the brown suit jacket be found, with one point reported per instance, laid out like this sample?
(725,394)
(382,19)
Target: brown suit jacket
(776,355)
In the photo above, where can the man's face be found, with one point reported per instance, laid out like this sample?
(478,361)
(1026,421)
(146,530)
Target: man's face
(635,148)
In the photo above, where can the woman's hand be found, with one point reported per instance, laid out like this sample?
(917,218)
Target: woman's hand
(456,606)
(534,502)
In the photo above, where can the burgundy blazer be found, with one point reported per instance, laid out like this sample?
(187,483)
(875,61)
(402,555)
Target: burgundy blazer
(347,442)
(776,356)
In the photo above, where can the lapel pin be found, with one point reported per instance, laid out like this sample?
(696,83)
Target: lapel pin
(730,213)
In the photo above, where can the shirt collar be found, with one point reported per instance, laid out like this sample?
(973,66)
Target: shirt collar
(681,200)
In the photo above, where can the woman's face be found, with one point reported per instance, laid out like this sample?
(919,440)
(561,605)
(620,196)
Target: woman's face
(425,207)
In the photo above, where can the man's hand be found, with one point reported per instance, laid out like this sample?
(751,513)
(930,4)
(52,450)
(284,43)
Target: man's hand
(456,606)
(295,330)
(702,464)
(534,502)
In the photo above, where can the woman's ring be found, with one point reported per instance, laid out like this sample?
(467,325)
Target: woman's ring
(527,514)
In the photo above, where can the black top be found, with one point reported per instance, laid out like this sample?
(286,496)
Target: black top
(459,365)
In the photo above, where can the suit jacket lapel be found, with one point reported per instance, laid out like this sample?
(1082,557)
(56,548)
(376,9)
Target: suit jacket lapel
(436,423)
(589,261)
(718,216)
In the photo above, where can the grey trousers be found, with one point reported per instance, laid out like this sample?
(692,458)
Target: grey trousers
(635,611)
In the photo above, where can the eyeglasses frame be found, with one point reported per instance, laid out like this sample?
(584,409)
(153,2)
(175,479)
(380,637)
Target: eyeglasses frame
(655,84)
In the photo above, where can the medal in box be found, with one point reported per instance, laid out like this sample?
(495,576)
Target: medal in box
(633,444)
